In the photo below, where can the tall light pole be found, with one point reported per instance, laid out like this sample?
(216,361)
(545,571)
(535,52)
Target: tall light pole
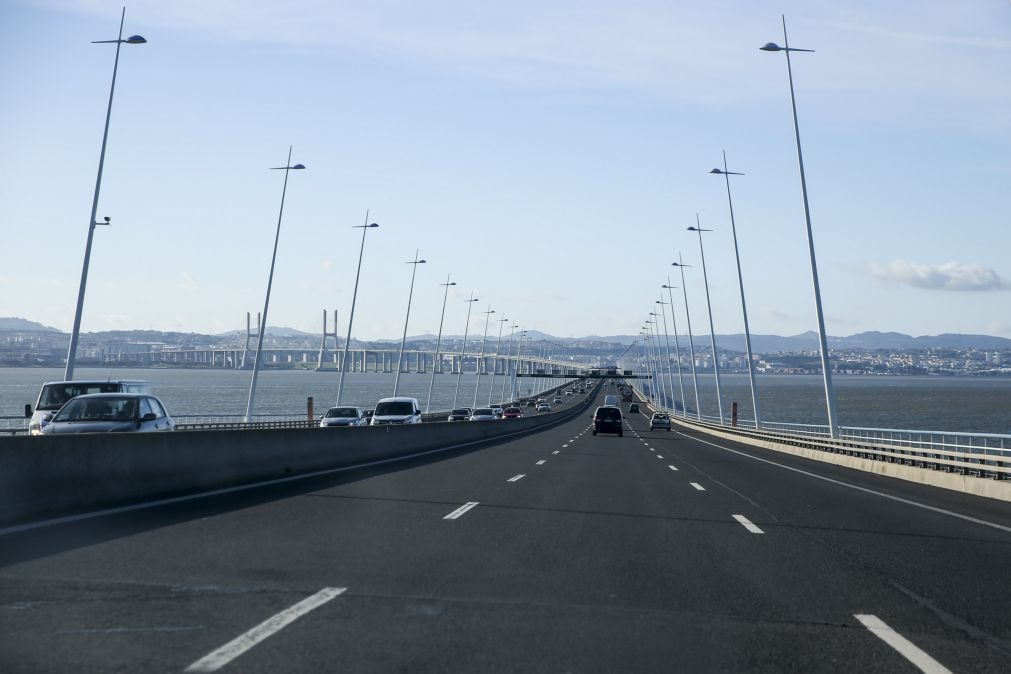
(826,367)
(712,333)
(509,351)
(270,280)
(68,374)
(691,339)
(653,361)
(740,282)
(519,354)
(403,340)
(498,351)
(484,343)
(438,342)
(463,351)
(659,359)
(666,341)
(354,298)
(677,346)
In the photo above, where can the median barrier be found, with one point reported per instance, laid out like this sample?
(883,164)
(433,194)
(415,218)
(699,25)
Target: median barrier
(52,475)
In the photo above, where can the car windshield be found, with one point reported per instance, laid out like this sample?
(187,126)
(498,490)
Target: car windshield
(484,411)
(55,396)
(460,411)
(342,412)
(512,410)
(395,408)
(660,417)
(99,409)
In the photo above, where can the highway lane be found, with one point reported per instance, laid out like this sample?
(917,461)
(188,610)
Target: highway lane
(599,558)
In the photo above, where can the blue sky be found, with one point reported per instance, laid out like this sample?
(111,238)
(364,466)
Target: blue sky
(549,155)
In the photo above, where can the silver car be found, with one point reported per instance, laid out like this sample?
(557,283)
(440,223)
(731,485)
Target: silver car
(483,414)
(110,413)
(343,416)
(659,420)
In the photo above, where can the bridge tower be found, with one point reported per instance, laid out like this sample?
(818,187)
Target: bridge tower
(322,346)
(249,336)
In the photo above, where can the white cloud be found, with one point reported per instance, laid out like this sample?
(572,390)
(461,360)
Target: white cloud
(326,265)
(947,276)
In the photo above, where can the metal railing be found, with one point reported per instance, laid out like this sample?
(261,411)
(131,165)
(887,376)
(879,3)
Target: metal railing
(985,455)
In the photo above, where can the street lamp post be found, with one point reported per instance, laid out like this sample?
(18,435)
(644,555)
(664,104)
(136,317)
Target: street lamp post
(484,343)
(438,343)
(463,351)
(712,333)
(270,280)
(354,298)
(509,351)
(75,333)
(740,281)
(519,354)
(666,340)
(665,392)
(677,346)
(403,340)
(691,338)
(652,360)
(822,339)
(498,351)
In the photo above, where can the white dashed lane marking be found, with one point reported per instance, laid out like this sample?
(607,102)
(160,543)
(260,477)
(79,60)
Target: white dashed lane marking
(699,487)
(906,648)
(747,524)
(461,510)
(541,462)
(516,478)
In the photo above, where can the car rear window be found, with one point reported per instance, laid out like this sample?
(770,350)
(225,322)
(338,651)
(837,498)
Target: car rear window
(608,413)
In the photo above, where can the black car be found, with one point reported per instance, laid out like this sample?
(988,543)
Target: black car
(633,408)
(607,420)
(459,414)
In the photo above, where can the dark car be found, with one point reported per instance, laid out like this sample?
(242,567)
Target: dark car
(459,414)
(531,403)
(633,408)
(607,419)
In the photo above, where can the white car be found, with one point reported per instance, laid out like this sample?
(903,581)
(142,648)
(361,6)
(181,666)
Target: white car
(659,420)
(483,414)
(499,411)
(543,407)
(558,401)
(343,416)
(396,411)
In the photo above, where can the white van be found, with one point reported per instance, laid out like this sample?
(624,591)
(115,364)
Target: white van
(55,394)
(396,411)
(610,401)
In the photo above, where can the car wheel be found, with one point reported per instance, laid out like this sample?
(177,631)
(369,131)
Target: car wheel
(619,434)
(595,432)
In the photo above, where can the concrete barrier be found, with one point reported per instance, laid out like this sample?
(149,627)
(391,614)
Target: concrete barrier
(52,475)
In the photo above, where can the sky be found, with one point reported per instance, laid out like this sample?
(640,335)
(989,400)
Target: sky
(547,155)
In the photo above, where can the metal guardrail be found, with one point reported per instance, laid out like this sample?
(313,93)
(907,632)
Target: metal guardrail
(986,455)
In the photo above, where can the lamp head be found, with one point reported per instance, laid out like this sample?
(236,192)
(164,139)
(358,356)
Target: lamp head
(771,46)
(135,39)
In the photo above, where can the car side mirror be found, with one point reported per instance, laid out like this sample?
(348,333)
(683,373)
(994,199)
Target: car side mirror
(28,411)
(150,416)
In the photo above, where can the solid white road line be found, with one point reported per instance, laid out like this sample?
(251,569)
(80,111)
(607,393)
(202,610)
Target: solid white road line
(516,478)
(672,467)
(941,511)
(461,510)
(236,647)
(748,525)
(699,487)
(541,462)
(906,648)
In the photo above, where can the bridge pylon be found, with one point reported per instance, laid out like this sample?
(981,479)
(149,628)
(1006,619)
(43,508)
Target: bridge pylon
(250,335)
(322,346)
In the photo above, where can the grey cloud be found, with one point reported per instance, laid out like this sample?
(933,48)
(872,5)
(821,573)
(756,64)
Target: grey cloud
(947,276)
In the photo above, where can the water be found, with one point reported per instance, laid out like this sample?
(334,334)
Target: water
(207,392)
(956,404)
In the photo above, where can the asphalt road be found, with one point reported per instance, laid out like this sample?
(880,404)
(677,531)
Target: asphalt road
(656,551)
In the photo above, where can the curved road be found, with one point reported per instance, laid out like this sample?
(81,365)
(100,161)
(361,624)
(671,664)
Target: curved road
(657,551)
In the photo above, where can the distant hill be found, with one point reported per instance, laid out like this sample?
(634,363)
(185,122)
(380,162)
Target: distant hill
(273,330)
(24,325)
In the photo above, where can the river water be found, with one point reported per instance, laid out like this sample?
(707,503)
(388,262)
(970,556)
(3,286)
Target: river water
(959,404)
